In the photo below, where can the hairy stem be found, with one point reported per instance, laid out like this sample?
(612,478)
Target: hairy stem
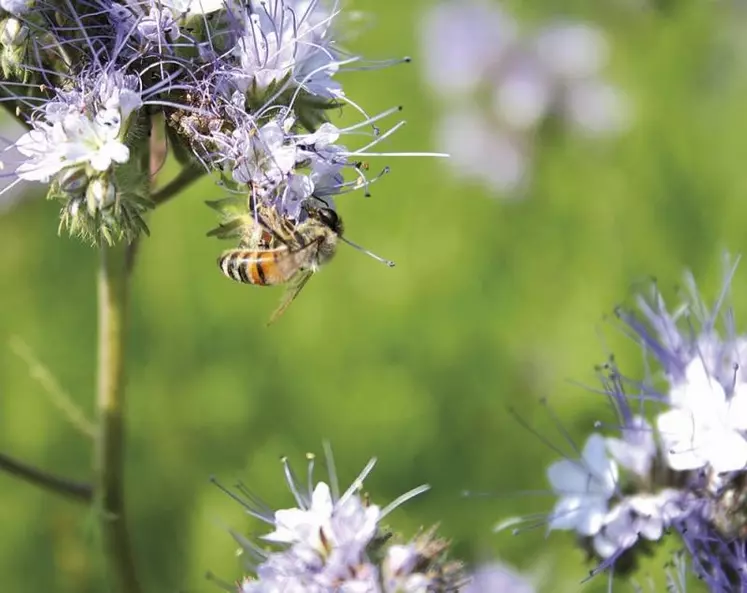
(185,177)
(55,484)
(109,456)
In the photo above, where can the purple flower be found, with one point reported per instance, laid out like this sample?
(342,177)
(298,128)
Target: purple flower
(685,471)
(85,126)
(472,50)
(464,43)
(332,542)
(287,40)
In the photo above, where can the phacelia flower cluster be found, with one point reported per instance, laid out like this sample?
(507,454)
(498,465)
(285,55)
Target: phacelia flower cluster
(502,86)
(679,461)
(242,89)
(334,542)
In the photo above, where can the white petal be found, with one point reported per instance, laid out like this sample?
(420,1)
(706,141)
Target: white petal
(38,171)
(100,160)
(284,159)
(727,452)
(600,465)
(566,512)
(326,134)
(700,393)
(604,546)
(594,473)
(272,136)
(568,477)
(635,458)
(118,152)
(737,407)
(649,522)
(591,517)
(33,142)
(292,525)
(401,558)
(680,440)
(652,528)
(321,500)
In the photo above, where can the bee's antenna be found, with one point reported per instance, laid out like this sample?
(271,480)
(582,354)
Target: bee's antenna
(367,252)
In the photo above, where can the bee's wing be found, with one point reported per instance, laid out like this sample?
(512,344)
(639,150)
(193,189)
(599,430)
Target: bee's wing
(297,283)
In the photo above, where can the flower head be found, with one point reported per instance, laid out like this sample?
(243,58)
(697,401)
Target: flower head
(506,82)
(84,127)
(704,426)
(681,464)
(334,542)
(245,90)
(287,40)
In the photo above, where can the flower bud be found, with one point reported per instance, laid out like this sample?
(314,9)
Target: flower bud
(100,194)
(72,181)
(13,32)
(13,37)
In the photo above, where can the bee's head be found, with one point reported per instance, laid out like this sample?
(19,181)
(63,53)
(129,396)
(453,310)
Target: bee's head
(328,218)
(331,220)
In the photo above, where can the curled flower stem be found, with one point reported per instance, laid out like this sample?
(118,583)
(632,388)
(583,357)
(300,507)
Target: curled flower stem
(185,177)
(109,455)
(75,490)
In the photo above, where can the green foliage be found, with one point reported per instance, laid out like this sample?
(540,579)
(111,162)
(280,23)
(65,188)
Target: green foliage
(493,305)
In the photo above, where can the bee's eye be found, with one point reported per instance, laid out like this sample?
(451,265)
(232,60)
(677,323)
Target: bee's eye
(328,217)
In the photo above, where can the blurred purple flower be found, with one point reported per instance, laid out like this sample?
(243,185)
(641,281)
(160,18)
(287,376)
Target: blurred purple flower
(477,150)
(496,578)
(464,43)
(685,471)
(475,49)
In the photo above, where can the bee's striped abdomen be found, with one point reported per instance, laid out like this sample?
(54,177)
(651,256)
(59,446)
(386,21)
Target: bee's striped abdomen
(260,267)
(243,266)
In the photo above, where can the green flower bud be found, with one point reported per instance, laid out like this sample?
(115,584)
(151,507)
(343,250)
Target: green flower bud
(13,41)
(13,32)
(100,194)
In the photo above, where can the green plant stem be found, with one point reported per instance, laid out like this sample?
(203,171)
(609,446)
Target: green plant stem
(75,490)
(185,177)
(110,402)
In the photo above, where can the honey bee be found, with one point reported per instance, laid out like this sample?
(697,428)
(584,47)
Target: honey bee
(278,251)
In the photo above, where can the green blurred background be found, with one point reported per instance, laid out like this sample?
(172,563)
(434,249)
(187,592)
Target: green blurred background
(493,305)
